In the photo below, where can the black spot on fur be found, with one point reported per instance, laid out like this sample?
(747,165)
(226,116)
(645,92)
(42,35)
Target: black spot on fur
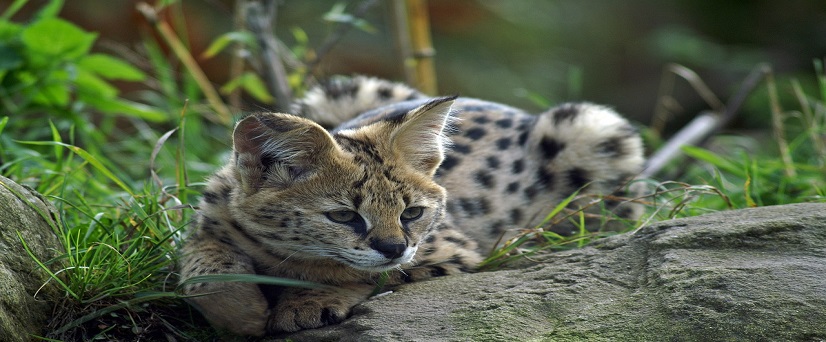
(611,147)
(493,162)
(430,239)
(451,207)
(531,191)
(565,112)
(209,225)
(512,187)
(360,183)
(467,205)
(484,205)
(474,108)
(523,138)
(503,143)
(504,123)
(516,215)
(385,92)
(544,177)
(578,177)
(458,241)
(226,240)
(239,228)
(526,122)
(475,206)
(484,179)
(449,162)
(475,133)
(211,197)
(461,148)
(481,120)
(518,166)
(334,89)
(437,271)
(497,228)
(360,148)
(550,148)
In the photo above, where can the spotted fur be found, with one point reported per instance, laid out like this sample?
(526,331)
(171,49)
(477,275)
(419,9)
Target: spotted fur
(416,186)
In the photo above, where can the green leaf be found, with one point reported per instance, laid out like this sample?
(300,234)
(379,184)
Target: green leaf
(91,86)
(51,10)
(9,31)
(337,15)
(110,68)
(54,37)
(126,107)
(57,150)
(9,57)
(11,10)
(54,90)
(3,122)
(713,159)
(252,84)
(220,43)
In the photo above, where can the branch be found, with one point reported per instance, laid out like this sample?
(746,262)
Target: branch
(186,58)
(337,35)
(261,20)
(707,123)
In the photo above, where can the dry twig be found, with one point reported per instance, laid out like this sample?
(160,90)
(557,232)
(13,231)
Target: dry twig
(261,16)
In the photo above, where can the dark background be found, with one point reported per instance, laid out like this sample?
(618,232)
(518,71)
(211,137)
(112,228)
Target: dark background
(611,52)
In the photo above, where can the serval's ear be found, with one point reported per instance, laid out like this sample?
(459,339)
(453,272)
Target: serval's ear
(420,134)
(277,150)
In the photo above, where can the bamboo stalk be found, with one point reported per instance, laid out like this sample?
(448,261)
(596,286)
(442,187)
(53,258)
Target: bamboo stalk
(189,62)
(403,46)
(422,48)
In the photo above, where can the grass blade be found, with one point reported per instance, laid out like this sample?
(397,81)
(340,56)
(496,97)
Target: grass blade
(89,158)
(250,278)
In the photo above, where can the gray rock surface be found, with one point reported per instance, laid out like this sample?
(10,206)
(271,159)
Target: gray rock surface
(21,314)
(748,275)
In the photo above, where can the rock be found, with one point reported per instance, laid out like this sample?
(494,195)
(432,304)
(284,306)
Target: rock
(746,275)
(21,314)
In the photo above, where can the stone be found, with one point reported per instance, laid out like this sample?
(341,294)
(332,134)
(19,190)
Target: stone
(746,275)
(21,313)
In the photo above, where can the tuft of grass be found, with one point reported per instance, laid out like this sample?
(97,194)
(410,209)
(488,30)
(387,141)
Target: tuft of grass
(119,239)
(530,241)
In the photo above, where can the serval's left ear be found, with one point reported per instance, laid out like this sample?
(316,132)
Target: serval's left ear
(275,150)
(420,135)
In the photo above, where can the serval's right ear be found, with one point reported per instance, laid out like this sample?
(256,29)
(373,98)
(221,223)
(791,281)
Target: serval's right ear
(274,150)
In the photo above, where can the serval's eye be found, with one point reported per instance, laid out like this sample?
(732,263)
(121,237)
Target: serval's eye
(412,213)
(342,216)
